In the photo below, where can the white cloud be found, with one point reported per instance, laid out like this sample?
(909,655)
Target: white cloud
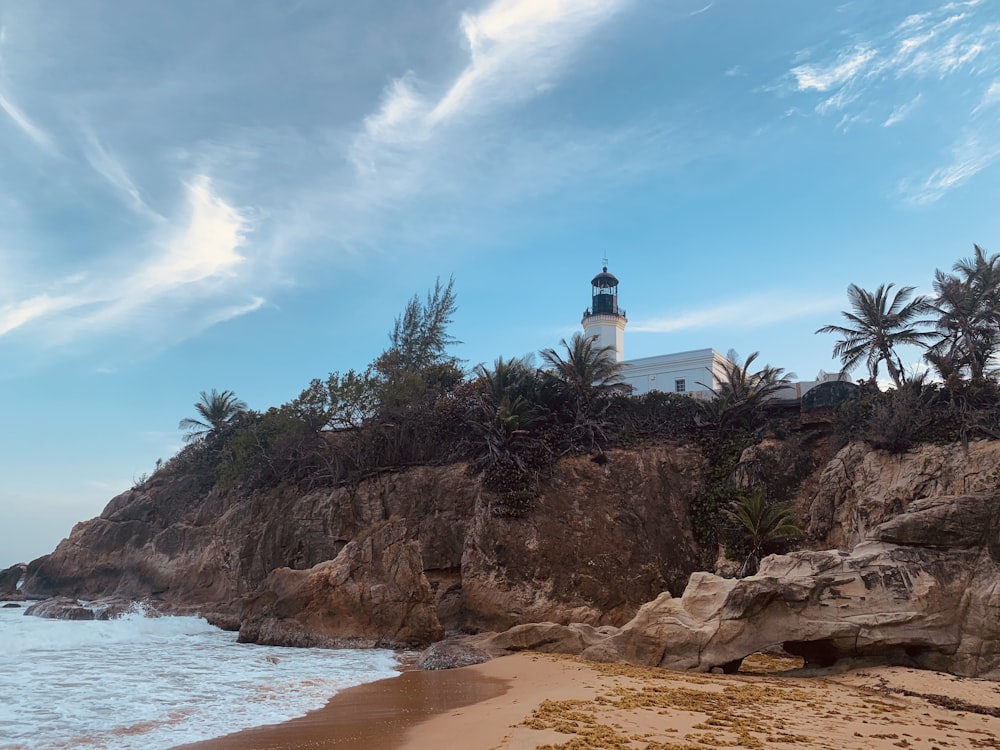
(990,97)
(516,49)
(848,65)
(751,312)
(969,157)
(188,281)
(205,248)
(13,316)
(106,164)
(29,128)
(903,111)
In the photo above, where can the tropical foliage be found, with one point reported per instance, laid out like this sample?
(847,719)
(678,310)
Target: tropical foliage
(741,396)
(957,331)
(761,525)
(216,411)
(877,325)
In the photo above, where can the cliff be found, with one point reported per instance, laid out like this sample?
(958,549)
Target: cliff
(403,558)
(601,540)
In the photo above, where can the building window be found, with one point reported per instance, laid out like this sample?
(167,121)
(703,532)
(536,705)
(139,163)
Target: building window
(680,386)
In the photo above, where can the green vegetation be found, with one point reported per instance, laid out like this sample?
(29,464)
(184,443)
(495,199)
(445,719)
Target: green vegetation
(762,526)
(217,411)
(510,422)
(877,327)
(958,332)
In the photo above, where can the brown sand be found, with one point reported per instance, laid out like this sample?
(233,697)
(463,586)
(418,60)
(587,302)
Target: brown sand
(541,701)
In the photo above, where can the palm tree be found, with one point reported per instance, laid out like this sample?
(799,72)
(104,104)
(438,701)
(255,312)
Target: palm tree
(762,523)
(877,326)
(968,306)
(216,410)
(741,394)
(587,370)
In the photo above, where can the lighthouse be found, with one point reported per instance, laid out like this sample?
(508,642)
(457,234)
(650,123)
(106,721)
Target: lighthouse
(605,320)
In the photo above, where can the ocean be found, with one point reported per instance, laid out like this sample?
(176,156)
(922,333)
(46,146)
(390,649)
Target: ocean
(156,682)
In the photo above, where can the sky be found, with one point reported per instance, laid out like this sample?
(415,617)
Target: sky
(242,195)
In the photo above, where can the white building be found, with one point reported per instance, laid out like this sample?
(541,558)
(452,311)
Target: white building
(692,373)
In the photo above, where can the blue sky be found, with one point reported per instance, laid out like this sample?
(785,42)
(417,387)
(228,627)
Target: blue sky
(242,195)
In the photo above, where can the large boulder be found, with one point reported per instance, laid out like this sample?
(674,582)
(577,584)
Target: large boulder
(374,593)
(924,589)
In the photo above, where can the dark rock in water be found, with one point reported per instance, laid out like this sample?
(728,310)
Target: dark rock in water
(112,609)
(223,620)
(9,579)
(60,608)
(66,608)
(11,605)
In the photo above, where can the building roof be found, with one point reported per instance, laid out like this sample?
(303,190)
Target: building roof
(604,279)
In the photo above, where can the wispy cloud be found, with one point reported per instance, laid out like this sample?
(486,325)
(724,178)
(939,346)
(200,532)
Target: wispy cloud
(750,312)
(106,164)
(823,77)
(188,276)
(969,157)
(924,49)
(516,49)
(25,124)
(990,98)
(903,111)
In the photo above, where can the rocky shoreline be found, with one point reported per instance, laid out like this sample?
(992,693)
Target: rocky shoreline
(918,587)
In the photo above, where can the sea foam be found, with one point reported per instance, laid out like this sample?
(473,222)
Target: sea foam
(156,682)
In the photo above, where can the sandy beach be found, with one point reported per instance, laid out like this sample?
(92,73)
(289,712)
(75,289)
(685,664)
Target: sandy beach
(543,701)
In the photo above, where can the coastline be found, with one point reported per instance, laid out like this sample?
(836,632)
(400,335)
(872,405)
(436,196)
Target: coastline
(531,700)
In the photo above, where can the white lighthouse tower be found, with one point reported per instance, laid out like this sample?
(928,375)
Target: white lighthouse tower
(604,320)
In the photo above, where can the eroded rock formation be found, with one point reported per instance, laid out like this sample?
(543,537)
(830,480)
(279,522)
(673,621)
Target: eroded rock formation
(924,589)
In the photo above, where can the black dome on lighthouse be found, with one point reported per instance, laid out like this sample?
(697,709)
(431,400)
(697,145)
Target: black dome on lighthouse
(604,280)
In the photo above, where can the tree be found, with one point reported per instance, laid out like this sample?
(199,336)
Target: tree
(968,308)
(876,327)
(416,360)
(587,371)
(741,394)
(762,524)
(216,411)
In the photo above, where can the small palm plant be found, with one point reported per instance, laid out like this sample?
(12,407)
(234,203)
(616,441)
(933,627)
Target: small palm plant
(762,524)
(216,409)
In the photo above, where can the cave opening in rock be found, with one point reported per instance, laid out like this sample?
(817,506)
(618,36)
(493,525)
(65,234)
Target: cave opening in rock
(818,653)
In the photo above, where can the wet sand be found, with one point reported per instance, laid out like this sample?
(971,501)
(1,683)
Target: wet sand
(542,701)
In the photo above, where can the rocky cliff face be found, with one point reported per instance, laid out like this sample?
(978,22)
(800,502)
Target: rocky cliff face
(601,540)
(861,488)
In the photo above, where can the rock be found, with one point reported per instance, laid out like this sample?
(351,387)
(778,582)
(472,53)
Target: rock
(451,654)
(9,579)
(861,488)
(11,605)
(374,593)
(60,608)
(923,591)
(547,637)
(112,609)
